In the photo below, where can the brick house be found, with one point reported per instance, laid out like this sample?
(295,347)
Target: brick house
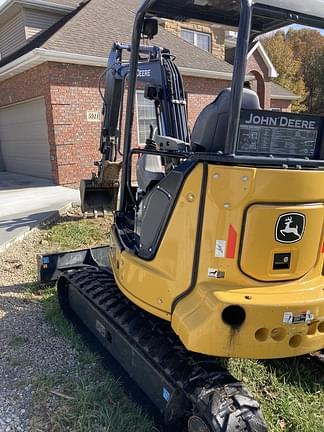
(52,54)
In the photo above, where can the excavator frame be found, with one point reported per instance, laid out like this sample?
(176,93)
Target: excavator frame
(151,298)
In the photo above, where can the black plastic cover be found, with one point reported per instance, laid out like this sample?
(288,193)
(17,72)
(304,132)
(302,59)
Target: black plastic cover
(159,205)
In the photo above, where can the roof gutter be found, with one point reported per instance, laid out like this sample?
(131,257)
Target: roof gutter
(66,57)
(36,3)
(201,73)
(41,55)
(285,97)
(60,56)
(19,65)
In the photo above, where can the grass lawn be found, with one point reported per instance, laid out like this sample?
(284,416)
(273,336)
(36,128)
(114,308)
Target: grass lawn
(290,391)
(96,401)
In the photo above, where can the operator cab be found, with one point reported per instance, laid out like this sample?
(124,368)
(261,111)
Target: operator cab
(208,135)
(233,130)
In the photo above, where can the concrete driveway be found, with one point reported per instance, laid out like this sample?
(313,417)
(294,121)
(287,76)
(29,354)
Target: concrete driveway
(26,201)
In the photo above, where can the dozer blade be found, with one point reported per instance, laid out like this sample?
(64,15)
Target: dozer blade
(97,200)
(99,195)
(50,266)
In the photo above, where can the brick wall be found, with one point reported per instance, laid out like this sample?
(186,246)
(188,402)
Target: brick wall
(74,91)
(284,105)
(200,92)
(69,92)
(31,84)
(257,67)
(217,35)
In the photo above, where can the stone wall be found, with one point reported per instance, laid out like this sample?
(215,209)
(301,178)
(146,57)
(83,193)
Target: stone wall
(218,35)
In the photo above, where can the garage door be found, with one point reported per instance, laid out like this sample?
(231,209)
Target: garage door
(24,139)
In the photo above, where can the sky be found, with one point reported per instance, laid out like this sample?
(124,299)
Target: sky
(298,27)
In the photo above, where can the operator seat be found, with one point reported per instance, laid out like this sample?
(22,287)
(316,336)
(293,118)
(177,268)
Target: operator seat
(209,132)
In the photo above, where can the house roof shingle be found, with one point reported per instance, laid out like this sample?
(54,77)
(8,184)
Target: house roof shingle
(38,40)
(102,22)
(99,23)
(278,92)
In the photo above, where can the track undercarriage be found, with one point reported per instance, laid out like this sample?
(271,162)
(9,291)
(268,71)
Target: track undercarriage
(189,389)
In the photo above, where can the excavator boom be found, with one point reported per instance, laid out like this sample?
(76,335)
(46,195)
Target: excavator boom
(163,85)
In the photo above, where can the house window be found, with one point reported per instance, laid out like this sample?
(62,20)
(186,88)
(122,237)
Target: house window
(146,116)
(199,39)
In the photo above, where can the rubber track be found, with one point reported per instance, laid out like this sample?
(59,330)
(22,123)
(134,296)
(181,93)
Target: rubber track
(197,376)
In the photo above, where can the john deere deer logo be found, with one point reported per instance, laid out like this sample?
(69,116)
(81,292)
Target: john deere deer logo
(290,227)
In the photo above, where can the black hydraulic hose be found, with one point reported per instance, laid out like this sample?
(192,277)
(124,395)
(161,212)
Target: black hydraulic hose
(99,83)
(121,120)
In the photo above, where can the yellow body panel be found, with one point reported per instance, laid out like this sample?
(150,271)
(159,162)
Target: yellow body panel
(153,285)
(284,308)
(198,321)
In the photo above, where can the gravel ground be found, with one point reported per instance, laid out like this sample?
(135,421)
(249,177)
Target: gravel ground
(31,351)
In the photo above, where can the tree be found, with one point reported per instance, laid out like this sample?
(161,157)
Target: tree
(318,92)
(308,47)
(287,65)
(298,56)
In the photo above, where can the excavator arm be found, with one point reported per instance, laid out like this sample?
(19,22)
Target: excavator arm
(163,85)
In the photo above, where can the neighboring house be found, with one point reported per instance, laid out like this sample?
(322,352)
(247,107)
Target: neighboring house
(21,20)
(221,44)
(281,99)
(262,70)
(52,54)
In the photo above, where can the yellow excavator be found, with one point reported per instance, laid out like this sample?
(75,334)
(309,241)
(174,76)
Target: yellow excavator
(218,251)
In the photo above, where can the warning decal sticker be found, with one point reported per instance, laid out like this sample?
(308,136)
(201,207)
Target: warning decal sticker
(227,248)
(303,317)
(215,274)
(220,249)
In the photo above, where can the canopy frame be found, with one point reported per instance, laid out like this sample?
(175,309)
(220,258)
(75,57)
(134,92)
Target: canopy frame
(253,19)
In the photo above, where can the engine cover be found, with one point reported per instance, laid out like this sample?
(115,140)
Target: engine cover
(281,242)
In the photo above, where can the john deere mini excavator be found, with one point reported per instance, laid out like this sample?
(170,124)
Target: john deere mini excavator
(219,249)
